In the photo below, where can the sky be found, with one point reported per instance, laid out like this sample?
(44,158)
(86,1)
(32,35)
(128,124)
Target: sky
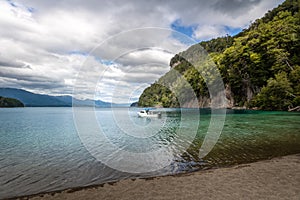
(108,50)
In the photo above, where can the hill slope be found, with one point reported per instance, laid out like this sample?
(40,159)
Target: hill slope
(30,99)
(39,100)
(10,103)
(260,66)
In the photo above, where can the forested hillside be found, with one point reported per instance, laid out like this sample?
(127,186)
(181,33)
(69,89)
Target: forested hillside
(10,102)
(260,66)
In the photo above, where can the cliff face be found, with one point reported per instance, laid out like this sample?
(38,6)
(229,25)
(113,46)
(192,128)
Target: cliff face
(260,67)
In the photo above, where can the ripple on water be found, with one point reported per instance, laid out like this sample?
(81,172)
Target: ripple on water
(41,151)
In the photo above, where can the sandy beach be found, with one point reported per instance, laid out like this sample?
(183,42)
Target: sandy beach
(278,178)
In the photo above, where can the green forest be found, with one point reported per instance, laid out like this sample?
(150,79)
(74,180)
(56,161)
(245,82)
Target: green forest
(10,102)
(260,66)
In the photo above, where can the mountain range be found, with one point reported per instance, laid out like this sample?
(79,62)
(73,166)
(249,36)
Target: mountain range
(30,99)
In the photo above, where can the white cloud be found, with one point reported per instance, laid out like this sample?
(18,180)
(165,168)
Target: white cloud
(209,31)
(44,44)
(144,56)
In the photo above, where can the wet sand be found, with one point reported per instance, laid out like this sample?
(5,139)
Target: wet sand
(278,178)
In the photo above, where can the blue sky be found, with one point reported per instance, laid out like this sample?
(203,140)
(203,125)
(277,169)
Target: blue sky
(187,30)
(190,29)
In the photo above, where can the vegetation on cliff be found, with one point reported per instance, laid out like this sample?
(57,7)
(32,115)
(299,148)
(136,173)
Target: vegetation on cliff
(10,102)
(260,66)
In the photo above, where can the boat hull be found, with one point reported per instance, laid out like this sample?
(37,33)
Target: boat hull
(149,114)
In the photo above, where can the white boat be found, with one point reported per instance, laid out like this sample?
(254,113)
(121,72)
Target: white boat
(149,113)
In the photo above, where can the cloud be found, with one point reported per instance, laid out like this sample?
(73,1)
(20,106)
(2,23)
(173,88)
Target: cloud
(45,44)
(235,7)
(209,31)
(144,56)
(11,63)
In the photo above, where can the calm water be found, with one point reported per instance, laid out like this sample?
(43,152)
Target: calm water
(40,149)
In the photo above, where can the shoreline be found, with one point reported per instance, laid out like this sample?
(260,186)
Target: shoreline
(277,177)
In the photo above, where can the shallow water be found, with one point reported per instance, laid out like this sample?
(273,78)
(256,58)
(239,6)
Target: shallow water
(40,149)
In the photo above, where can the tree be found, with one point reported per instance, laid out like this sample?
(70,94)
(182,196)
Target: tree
(276,95)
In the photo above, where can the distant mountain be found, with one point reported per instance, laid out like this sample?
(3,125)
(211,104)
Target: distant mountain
(30,99)
(10,103)
(40,100)
(68,100)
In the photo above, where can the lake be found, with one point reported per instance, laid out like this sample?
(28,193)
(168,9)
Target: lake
(41,150)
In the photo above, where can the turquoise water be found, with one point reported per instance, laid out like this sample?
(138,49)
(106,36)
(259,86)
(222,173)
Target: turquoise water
(40,149)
